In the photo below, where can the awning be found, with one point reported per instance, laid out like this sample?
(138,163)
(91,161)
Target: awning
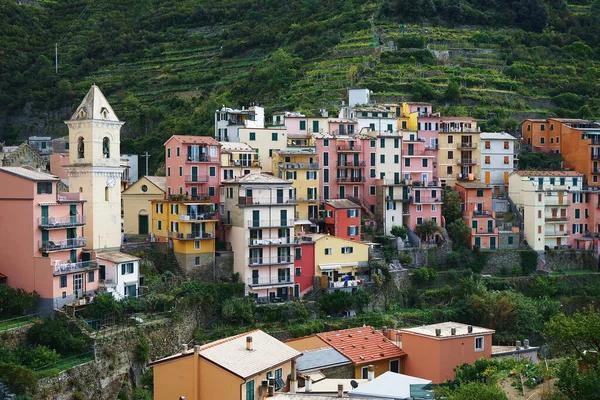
(330,267)
(302,222)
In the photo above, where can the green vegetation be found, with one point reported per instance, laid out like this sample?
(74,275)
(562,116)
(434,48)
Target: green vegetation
(16,302)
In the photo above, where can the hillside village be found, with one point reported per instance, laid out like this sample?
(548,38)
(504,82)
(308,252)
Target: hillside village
(270,252)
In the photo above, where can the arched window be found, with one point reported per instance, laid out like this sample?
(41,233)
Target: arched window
(105,148)
(80,148)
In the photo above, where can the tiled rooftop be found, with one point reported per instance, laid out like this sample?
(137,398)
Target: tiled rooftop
(342,203)
(258,178)
(473,185)
(116,256)
(496,135)
(159,181)
(30,174)
(362,345)
(230,147)
(321,358)
(196,140)
(548,173)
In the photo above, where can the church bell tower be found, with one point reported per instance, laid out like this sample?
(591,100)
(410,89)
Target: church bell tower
(94,168)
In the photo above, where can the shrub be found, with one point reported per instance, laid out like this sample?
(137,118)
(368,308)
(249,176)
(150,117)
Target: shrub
(18,378)
(104,304)
(36,357)
(336,302)
(143,349)
(399,231)
(239,310)
(57,334)
(424,275)
(529,260)
(16,302)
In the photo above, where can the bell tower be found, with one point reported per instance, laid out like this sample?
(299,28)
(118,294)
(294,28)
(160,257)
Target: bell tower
(94,168)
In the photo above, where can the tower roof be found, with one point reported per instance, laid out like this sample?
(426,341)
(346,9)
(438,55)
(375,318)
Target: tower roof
(94,106)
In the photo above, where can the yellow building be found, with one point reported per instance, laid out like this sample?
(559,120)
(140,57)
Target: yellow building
(408,118)
(300,164)
(245,367)
(336,257)
(238,159)
(264,141)
(459,150)
(189,227)
(137,204)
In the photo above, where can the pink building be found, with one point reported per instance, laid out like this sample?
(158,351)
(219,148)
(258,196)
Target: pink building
(478,214)
(344,161)
(342,219)
(304,265)
(193,167)
(41,239)
(58,162)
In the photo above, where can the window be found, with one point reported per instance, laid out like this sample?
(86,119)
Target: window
(325,142)
(168,153)
(126,268)
(487,159)
(364,372)
(196,245)
(510,240)
(328,251)
(159,208)
(506,160)
(174,208)
(372,143)
(382,158)
(419,208)
(542,127)
(298,254)
(575,181)
(396,159)
(373,173)
(479,192)
(197,261)
(395,366)
(396,141)
(178,151)
(450,139)
(449,170)
(326,175)
(551,140)
(372,159)
(326,159)
(159,225)
(279,383)
(450,155)
(372,190)
(542,140)
(487,144)
(433,207)
(347,249)
(382,143)
(44,187)
(250,390)
(91,276)
(353,213)
(252,135)
(539,214)
(557,139)
(168,171)
(211,191)
(352,230)
(506,144)
(63,281)
(311,175)
(479,343)
(274,136)
(424,163)
(180,171)
(302,125)
(407,162)
(577,213)
(298,270)
(106,193)
(212,171)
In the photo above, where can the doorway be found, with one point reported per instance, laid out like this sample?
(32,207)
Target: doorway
(143,222)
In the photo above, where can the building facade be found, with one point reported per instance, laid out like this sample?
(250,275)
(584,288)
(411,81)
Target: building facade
(497,160)
(137,204)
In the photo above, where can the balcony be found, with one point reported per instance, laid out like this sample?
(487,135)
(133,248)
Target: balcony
(225,221)
(201,158)
(286,165)
(274,223)
(465,177)
(349,148)
(347,286)
(595,170)
(466,146)
(271,260)
(196,178)
(426,199)
(351,164)
(69,197)
(557,218)
(200,216)
(61,222)
(551,233)
(60,245)
(310,199)
(282,241)
(192,236)
(265,201)
(595,140)
(345,180)
(595,156)
(244,163)
(277,281)
(467,161)
(556,201)
(61,268)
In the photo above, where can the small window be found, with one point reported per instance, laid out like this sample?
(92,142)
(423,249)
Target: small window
(479,343)
(506,160)
(63,281)
(542,127)
(510,240)
(212,171)
(298,253)
(328,251)
(298,271)
(487,159)
(479,192)
(159,225)
(168,153)
(274,136)
(211,191)
(126,268)
(302,125)
(252,135)
(450,139)
(178,152)
(382,158)
(542,140)
(487,144)
(91,276)
(144,188)
(180,170)
(364,372)
(450,155)
(196,245)
(372,190)
(325,142)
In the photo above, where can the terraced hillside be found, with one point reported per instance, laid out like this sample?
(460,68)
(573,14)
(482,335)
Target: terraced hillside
(167,65)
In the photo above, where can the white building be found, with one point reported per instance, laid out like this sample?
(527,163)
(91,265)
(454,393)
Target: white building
(119,273)
(229,120)
(259,212)
(497,160)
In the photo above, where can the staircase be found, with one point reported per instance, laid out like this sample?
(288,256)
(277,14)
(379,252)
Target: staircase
(362,204)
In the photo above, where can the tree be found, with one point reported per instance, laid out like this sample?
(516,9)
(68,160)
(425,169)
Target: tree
(575,334)
(576,385)
(452,92)
(451,208)
(336,302)
(427,230)
(399,231)
(459,233)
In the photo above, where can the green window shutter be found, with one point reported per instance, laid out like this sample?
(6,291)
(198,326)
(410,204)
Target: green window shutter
(274,136)
(211,191)
(326,175)
(39,187)
(252,135)
(302,125)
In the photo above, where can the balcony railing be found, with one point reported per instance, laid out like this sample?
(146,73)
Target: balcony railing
(557,233)
(244,163)
(68,197)
(359,179)
(192,236)
(242,200)
(60,222)
(595,156)
(196,178)
(282,241)
(198,216)
(465,177)
(273,223)
(61,267)
(349,147)
(596,170)
(426,199)
(271,260)
(201,158)
(59,245)
(556,201)
(466,161)
(351,164)
(595,140)
(466,145)
(286,165)
(279,280)
(557,218)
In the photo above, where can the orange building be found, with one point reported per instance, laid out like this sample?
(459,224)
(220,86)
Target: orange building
(478,214)
(541,135)
(363,346)
(245,367)
(435,350)
(580,147)
(342,219)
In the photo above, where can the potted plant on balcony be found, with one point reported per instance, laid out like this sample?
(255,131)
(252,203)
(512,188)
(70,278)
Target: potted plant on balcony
(400,232)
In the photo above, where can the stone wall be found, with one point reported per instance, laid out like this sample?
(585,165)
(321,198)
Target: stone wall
(13,337)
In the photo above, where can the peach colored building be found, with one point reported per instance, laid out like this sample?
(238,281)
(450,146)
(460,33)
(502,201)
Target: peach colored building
(58,164)
(41,238)
(478,214)
(342,219)
(433,351)
(245,367)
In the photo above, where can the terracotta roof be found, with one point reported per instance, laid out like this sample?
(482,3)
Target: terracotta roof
(548,173)
(362,345)
(196,140)
(159,181)
(232,147)
(29,174)
(473,185)
(342,203)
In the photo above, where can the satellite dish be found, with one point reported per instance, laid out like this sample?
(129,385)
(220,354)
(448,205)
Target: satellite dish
(354,384)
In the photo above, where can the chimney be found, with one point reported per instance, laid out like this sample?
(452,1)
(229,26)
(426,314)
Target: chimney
(249,346)
(263,390)
(307,384)
(183,348)
(196,349)
(470,329)
(340,390)
(371,373)
(518,345)
(453,331)
(526,343)
(293,378)
(438,332)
